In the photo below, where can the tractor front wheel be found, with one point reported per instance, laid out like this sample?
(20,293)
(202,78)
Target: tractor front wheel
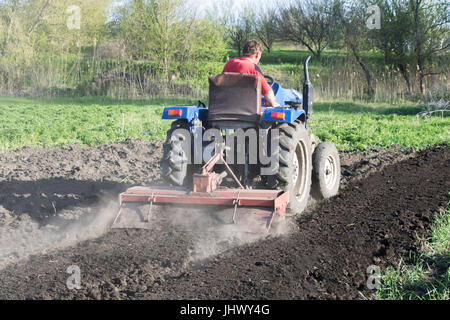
(326,171)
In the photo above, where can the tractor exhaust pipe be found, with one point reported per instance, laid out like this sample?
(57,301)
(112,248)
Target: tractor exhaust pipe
(307,89)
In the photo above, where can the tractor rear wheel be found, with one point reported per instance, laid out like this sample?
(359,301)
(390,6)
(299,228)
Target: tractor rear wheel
(175,168)
(294,166)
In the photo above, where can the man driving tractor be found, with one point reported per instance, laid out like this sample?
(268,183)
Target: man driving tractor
(249,64)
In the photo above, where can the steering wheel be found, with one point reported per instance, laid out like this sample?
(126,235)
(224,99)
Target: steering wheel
(270,80)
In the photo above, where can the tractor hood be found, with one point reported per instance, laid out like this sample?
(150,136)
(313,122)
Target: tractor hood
(286,96)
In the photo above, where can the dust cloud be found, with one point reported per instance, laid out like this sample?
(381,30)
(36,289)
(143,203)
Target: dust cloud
(212,231)
(23,236)
(207,232)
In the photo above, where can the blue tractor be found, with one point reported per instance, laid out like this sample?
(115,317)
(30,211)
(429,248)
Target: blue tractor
(194,146)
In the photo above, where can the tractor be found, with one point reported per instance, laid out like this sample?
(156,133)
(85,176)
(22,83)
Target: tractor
(259,161)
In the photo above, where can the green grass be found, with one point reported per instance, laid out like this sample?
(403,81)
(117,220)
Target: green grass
(94,121)
(427,275)
(361,125)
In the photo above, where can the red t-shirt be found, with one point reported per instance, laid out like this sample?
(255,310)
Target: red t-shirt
(245,65)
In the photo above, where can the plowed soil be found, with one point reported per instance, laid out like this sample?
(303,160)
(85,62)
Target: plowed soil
(56,206)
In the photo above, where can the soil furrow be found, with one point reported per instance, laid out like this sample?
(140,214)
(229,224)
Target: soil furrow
(325,254)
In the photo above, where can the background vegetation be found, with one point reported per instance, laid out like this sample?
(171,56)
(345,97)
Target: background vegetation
(164,48)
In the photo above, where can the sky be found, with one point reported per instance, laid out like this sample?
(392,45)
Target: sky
(205,5)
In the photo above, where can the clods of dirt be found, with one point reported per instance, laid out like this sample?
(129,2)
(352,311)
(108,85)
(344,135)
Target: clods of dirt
(325,255)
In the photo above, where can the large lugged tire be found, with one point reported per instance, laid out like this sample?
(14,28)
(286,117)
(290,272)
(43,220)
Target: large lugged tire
(174,163)
(326,171)
(294,167)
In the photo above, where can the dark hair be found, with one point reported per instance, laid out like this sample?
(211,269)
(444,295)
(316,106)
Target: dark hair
(251,48)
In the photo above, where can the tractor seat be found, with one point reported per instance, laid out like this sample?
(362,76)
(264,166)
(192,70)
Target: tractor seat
(234,101)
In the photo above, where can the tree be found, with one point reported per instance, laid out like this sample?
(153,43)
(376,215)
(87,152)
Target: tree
(431,33)
(266,27)
(240,29)
(33,31)
(203,48)
(412,35)
(154,30)
(309,23)
(162,31)
(352,21)
(394,37)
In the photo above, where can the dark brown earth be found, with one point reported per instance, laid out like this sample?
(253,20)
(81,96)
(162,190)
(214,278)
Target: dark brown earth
(56,204)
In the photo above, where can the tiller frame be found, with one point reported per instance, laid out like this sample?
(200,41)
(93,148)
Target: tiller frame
(257,207)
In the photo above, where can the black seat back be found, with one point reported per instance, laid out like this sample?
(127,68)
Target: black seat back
(234,97)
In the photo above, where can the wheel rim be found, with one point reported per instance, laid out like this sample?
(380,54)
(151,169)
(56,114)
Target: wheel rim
(330,172)
(300,167)
(296,169)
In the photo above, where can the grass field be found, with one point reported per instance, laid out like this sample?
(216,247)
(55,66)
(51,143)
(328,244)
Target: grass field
(426,275)
(93,121)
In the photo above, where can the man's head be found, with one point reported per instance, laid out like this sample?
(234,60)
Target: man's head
(253,49)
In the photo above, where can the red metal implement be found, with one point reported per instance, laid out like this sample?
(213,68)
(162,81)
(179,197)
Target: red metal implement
(260,206)
(265,204)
